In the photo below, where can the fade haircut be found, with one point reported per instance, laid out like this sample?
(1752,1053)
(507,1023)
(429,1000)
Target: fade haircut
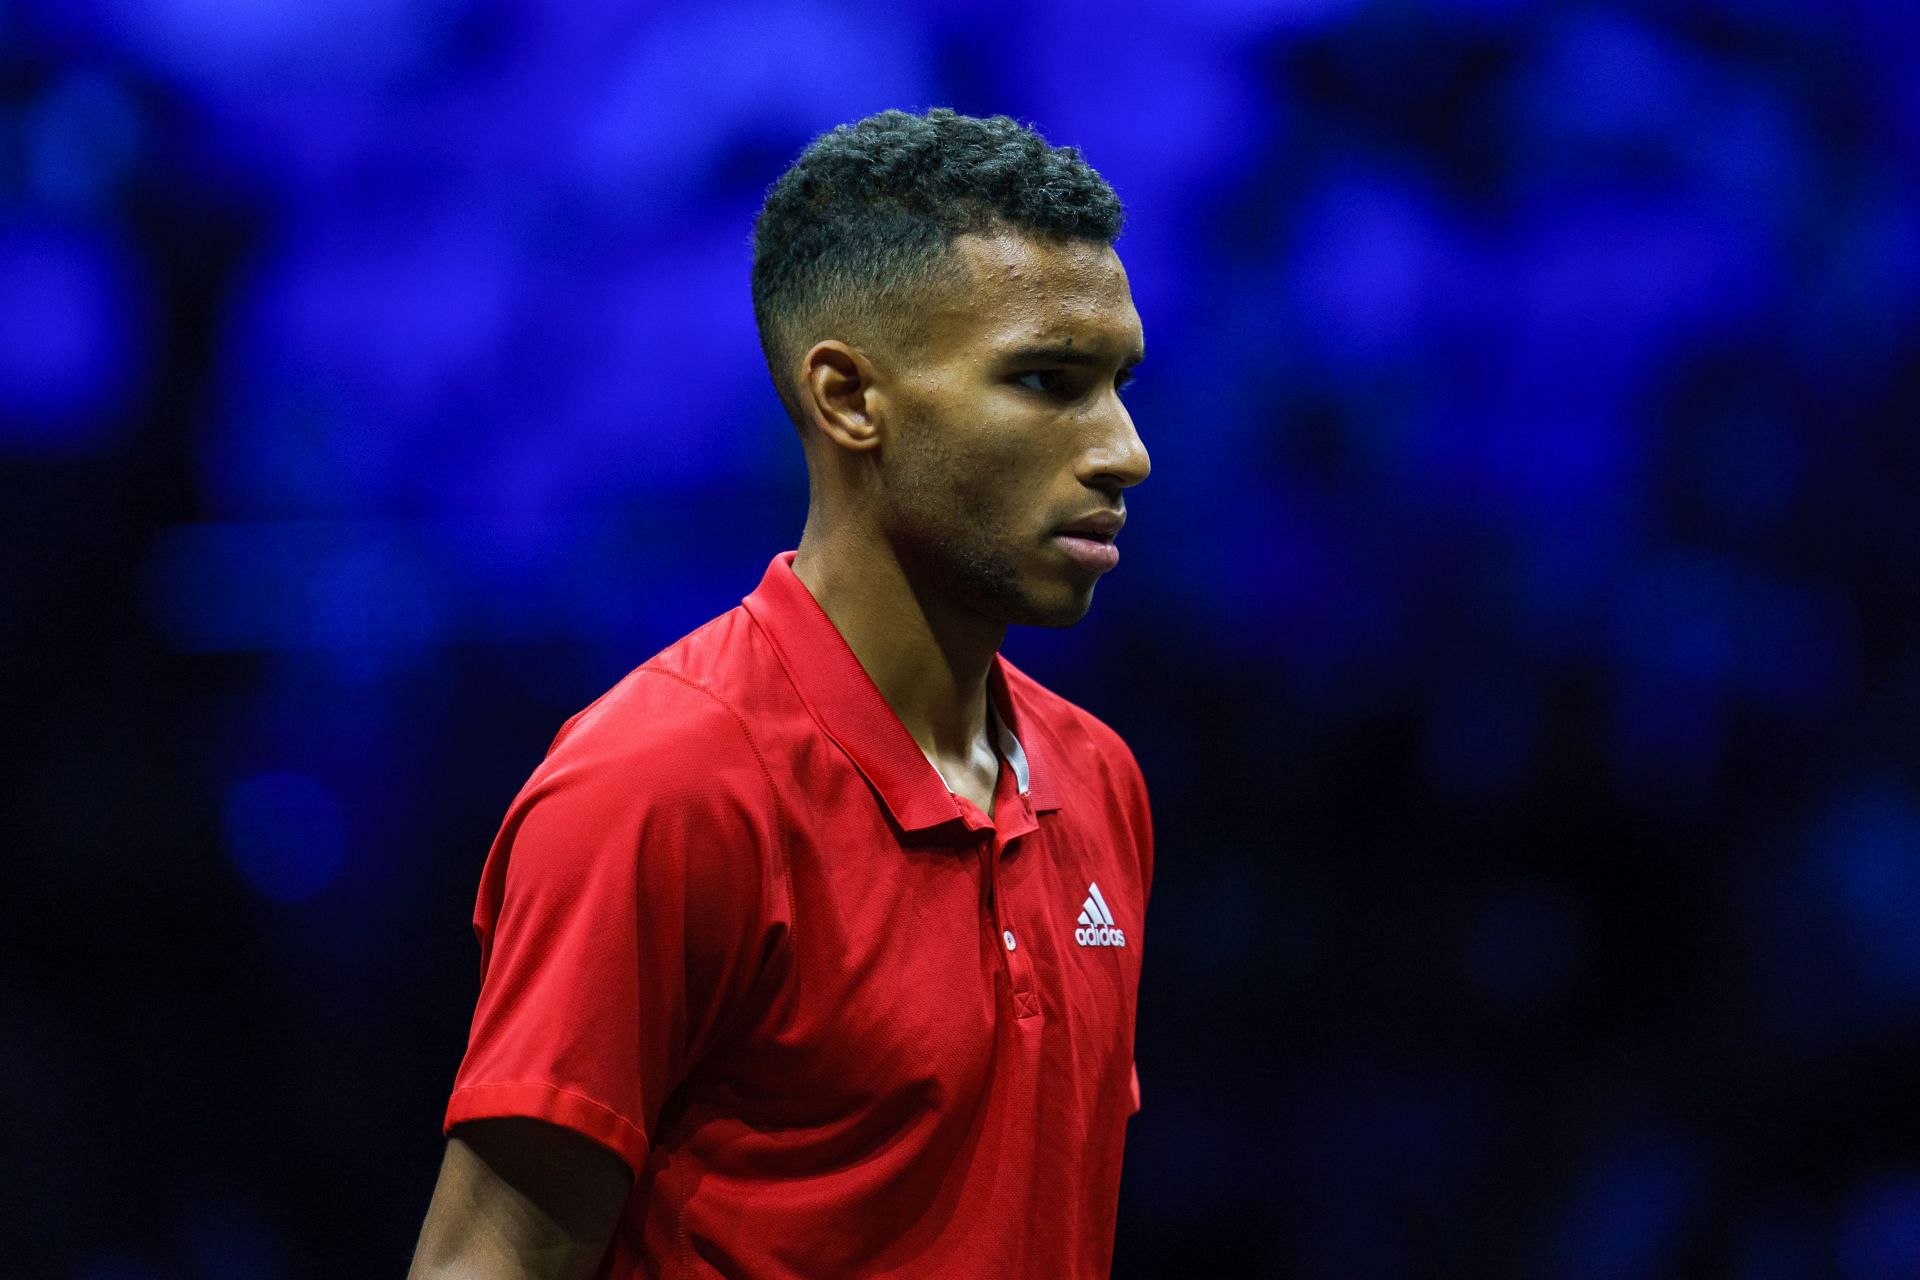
(855,231)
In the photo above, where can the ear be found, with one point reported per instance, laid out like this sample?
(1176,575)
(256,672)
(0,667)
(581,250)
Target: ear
(839,394)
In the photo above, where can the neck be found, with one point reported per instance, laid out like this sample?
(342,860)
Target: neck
(928,655)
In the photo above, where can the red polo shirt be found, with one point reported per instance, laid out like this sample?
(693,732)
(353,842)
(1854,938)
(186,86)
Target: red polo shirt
(838,1021)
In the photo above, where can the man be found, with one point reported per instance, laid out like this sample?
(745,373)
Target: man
(811,949)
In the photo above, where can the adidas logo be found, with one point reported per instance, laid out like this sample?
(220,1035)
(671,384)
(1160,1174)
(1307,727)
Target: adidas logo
(1096,923)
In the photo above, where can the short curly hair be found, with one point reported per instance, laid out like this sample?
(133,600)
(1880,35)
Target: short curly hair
(854,231)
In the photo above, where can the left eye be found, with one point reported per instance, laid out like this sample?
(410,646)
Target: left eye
(1055,382)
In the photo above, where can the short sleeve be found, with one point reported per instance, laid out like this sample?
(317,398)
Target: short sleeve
(627,906)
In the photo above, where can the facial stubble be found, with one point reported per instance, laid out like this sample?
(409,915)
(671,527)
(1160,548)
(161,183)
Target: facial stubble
(950,521)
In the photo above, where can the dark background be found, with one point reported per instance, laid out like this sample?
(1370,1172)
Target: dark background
(1520,632)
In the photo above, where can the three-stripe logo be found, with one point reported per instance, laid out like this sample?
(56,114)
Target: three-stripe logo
(1096,923)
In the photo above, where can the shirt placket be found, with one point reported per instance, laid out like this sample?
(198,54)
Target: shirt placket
(1013,819)
(1016,959)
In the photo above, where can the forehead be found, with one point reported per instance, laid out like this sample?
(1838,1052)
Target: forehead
(1017,290)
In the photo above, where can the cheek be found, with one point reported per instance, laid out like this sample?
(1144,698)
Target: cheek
(975,468)
(1010,453)
(999,488)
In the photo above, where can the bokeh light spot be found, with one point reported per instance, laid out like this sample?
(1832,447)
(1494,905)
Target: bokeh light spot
(285,833)
(1628,1214)
(1880,1234)
(240,46)
(66,337)
(1868,844)
(80,138)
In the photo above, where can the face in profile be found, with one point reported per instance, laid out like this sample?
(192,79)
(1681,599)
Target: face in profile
(1011,445)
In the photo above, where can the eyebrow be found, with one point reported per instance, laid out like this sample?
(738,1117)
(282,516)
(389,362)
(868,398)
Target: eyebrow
(1049,353)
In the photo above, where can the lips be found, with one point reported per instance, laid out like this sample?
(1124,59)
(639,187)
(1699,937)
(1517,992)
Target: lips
(1088,540)
(1095,555)
(1099,526)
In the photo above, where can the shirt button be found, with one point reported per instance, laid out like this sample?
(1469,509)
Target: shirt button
(1007,936)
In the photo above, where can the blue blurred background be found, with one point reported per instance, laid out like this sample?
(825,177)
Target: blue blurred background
(1520,632)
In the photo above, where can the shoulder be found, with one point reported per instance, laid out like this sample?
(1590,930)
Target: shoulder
(669,732)
(681,700)
(654,796)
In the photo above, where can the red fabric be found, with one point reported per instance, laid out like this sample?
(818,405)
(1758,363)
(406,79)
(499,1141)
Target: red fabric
(736,929)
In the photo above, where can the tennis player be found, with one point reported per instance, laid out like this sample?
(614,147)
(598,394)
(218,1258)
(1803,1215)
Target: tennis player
(811,949)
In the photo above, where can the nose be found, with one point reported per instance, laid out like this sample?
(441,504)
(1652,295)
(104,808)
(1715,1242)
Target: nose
(1118,458)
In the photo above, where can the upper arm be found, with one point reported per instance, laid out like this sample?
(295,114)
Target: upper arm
(521,1199)
(623,915)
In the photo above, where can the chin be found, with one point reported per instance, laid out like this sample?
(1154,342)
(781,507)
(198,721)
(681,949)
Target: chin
(1054,608)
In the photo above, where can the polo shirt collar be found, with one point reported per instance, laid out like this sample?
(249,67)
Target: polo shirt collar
(849,707)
